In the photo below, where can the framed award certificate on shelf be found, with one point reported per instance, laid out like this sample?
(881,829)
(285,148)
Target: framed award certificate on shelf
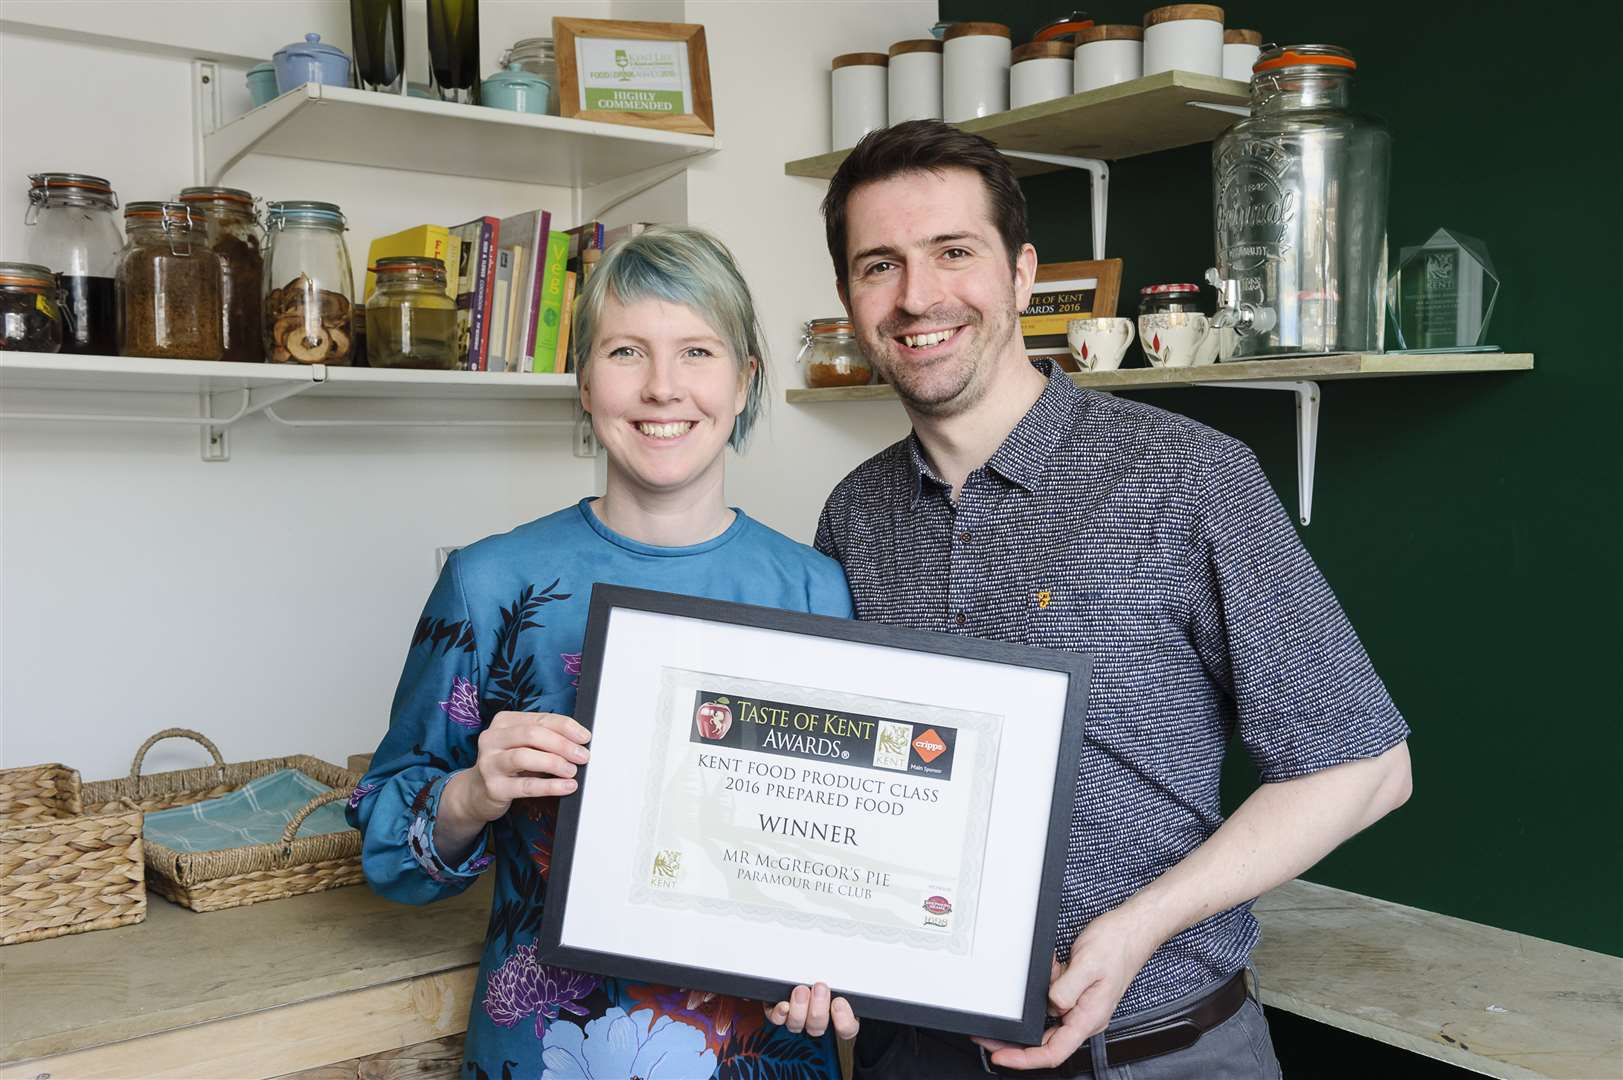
(777,798)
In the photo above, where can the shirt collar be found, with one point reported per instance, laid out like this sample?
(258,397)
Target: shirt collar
(1023,457)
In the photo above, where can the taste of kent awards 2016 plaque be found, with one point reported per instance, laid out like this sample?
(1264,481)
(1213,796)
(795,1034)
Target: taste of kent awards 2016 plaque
(777,798)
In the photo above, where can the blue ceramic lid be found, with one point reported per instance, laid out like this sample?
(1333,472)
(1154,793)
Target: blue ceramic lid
(515,75)
(312,46)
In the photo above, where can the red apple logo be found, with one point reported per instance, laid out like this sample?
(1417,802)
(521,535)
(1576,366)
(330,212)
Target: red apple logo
(715,719)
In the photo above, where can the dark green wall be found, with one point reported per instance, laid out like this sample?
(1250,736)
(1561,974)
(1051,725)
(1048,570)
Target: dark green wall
(1469,524)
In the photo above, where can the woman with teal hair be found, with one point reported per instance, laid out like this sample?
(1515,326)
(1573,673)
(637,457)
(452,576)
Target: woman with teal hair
(480,744)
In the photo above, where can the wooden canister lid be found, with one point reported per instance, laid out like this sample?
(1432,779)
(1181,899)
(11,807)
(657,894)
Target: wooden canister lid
(1179,12)
(861,59)
(1110,32)
(1242,37)
(916,45)
(1042,50)
(973,29)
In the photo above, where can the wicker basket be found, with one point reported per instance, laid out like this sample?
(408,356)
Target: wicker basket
(211,880)
(63,871)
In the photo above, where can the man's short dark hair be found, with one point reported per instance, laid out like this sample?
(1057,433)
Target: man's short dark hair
(932,146)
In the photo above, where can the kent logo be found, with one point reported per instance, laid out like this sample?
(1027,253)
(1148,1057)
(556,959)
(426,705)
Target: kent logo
(929,746)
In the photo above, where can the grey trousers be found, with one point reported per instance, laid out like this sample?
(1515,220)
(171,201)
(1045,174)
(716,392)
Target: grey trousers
(1240,1048)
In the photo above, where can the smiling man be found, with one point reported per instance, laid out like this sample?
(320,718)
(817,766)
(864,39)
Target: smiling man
(1024,509)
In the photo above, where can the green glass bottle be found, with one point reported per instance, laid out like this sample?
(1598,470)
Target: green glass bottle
(453,49)
(380,43)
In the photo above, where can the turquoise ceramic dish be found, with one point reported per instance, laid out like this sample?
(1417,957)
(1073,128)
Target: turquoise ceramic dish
(262,83)
(516,90)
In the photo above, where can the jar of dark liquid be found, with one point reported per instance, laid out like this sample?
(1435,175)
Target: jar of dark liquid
(233,235)
(73,229)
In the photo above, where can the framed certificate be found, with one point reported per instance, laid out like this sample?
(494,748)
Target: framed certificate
(778,798)
(648,74)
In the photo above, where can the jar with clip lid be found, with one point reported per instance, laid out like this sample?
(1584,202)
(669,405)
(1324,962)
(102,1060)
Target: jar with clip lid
(830,355)
(536,56)
(309,285)
(30,317)
(168,285)
(410,321)
(233,234)
(73,229)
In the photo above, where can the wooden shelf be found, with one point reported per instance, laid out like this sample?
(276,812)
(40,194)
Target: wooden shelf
(1284,369)
(1121,121)
(121,374)
(361,127)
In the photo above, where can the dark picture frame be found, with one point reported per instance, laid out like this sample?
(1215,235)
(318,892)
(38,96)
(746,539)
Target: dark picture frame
(1048,722)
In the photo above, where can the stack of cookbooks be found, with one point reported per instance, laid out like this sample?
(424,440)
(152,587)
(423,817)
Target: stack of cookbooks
(514,280)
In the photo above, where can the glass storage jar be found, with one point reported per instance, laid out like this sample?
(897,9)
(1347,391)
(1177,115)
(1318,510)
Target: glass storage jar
(536,56)
(1164,299)
(309,287)
(829,355)
(233,235)
(30,315)
(168,285)
(73,230)
(410,322)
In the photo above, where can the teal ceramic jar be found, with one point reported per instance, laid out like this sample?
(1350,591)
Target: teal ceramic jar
(262,83)
(516,90)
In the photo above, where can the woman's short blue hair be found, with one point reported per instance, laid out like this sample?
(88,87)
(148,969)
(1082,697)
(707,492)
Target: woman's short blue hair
(687,266)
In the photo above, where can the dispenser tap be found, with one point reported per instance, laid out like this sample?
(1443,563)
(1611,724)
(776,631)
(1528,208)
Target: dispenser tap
(1234,314)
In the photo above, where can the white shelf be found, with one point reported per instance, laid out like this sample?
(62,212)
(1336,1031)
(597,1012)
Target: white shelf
(362,127)
(129,374)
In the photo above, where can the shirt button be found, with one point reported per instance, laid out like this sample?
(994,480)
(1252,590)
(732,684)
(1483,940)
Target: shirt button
(961,619)
(964,536)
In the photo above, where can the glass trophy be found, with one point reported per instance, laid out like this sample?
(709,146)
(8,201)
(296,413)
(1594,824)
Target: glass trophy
(1441,294)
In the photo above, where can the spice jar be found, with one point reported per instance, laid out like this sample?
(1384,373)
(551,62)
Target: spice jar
(168,285)
(30,317)
(829,355)
(410,322)
(233,235)
(974,71)
(1106,55)
(859,97)
(1185,37)
(1041,71)
(309,286)
(536,56)
(73,229)
(915,80)
(1241,48)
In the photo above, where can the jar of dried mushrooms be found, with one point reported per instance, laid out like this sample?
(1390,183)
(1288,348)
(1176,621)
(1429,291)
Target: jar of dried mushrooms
(168,285)
(309,286)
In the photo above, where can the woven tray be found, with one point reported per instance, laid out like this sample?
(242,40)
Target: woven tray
(62,870)
(211,880)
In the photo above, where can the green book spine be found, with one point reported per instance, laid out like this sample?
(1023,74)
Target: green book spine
(552,302)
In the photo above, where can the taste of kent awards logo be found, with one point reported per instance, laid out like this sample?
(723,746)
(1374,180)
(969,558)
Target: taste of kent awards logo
(714,718)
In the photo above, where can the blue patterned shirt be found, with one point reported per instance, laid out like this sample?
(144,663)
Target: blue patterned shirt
(1155,544)
(502,630)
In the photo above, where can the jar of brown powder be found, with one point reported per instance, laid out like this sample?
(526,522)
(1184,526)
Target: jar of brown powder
(233,235)
(168,285)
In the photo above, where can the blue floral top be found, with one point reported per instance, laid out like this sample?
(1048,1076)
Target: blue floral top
(502,631)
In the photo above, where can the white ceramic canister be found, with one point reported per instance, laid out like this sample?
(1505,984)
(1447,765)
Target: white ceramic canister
(1240,50)
(915,80)
(1107,55)
(974,71)
(1041,71)
(858,101)
(1184,37)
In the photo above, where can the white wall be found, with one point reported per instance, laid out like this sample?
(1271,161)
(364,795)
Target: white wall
(267,601)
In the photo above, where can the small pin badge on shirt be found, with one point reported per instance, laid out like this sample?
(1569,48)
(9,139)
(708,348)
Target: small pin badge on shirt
(1044,598)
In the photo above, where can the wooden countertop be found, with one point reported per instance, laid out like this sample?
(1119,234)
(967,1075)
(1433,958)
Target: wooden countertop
(1496,1002)
(182,968)
(1485,999)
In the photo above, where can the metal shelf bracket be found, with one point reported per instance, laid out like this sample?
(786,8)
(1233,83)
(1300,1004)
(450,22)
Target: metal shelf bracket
(1098,170)
(1307,433)
(580,425)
